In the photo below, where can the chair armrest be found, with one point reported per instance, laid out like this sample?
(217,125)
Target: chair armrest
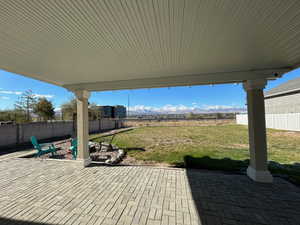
(55,147)
(46,144)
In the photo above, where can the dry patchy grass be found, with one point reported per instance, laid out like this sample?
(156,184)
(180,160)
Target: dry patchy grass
(170,144)
(177,123)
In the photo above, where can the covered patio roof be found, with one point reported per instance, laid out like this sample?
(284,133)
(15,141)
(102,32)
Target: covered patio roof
(96,45)
(110,44)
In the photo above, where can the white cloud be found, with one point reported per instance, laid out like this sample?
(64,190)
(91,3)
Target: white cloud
(11,92)
(164,109)
(20,92)
(4,98)
(177,109)
(43,96)
(216,107)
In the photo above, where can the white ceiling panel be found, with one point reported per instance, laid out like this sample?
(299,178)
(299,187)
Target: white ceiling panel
(103,43)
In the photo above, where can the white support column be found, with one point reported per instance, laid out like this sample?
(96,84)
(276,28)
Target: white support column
(258,168)
(83,155)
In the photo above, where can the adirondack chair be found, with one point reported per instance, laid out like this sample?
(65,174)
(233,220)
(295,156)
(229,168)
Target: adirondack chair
(73,148)
(42,149)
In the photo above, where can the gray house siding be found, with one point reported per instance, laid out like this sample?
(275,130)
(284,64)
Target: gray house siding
(283,104)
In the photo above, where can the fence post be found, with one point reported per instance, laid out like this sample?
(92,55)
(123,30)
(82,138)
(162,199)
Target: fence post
(99,130)
(21,135)
(17,133)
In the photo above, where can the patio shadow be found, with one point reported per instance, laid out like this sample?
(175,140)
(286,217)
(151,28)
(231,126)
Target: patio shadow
(206,162)
(291,172)
(226,198)
(7,221)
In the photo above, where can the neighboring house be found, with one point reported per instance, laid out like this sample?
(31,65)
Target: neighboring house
(282,107)
(284,98)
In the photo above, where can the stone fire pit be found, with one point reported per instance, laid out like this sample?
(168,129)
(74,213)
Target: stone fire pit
(107,153)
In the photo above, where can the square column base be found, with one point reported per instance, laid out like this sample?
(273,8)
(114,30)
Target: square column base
(85,162)
(259,176)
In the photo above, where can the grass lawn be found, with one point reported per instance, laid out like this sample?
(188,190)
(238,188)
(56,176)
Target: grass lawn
(171,144)
(215,147)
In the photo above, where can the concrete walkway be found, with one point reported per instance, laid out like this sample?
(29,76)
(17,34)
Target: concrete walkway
(36,191)
(17,154)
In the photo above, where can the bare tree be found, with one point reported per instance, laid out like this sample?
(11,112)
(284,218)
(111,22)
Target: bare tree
(26,103)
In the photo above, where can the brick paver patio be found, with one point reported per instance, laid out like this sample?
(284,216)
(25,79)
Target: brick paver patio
(52,192)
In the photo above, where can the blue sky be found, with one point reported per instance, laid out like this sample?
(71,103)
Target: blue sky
(227,95)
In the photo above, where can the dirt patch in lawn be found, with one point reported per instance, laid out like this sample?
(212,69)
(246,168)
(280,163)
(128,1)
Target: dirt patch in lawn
(178,123)
(239,146)
(169,142)
(286,134)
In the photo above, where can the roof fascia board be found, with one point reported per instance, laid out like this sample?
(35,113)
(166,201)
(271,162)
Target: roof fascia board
(277,94)
(296,66)
(183,80)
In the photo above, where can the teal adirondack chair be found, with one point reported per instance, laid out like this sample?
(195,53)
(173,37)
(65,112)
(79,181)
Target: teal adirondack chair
(73,148)
(42,149)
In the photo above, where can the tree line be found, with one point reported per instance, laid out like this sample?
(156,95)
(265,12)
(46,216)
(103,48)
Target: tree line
(29,108)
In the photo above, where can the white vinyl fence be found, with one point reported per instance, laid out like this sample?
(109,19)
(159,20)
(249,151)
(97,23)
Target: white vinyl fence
(286,121)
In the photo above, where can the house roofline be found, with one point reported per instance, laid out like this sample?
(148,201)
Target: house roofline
(283,93)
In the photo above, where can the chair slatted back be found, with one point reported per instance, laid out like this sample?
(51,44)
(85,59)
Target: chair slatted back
(35,143)
(74,146)
(74,142)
